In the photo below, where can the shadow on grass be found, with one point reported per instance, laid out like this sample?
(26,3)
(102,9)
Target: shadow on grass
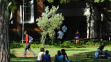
(88,53)
(76,49)
(82,59)
(12,56)
(85,53)
(76,59)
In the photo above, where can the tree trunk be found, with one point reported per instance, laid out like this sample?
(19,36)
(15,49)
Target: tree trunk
(44,41)
(4,40)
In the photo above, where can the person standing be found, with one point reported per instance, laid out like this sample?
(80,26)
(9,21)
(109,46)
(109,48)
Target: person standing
(60,36)
(27,45)
(77,36)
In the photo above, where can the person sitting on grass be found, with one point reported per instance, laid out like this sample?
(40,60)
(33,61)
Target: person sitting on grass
(40,55)
(99,53)
(58,57)
(64,55)
(47,56)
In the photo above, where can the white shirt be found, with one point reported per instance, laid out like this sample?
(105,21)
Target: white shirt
(60,35)
(39,55)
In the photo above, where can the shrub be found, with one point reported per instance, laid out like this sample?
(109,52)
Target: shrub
(66,44)
(36,42)
(90,42)
(21,45)
(98,43)
(17,45)
(104,42)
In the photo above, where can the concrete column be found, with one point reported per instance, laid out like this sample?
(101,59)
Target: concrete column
(87,14)
(93,26)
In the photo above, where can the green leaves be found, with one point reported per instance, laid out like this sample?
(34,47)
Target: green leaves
(49,22)
(98,1)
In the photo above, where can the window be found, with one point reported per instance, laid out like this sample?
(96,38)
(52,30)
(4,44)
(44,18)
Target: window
(28,12)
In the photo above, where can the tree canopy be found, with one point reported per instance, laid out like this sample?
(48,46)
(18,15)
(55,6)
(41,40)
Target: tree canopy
(49,21)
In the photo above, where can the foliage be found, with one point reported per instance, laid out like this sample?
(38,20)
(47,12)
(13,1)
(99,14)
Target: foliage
(17,45)
(60,1)
(98,1)
(98,43)
(21,45)
(104,42)
(49,22)
(66,44)
(36,42)
(90,42)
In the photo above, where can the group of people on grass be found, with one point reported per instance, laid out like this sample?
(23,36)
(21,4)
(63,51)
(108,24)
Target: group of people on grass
(59,57)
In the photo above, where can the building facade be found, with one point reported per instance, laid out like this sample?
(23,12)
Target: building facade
(76,14)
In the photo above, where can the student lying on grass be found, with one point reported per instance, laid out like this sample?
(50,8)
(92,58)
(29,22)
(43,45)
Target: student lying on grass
(99,53)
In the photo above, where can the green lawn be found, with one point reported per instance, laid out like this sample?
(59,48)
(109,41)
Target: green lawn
(70,52)
(76,59)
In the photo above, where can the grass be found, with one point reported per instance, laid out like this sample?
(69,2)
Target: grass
(70,51)
(76,59)
(52,51)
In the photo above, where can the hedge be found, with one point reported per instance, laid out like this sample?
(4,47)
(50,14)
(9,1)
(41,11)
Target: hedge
(66,44)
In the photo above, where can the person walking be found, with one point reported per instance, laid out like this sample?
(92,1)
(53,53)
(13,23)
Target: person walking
(27,45)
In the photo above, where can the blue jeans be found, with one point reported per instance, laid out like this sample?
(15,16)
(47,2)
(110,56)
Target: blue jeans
(106,53)
(38,61)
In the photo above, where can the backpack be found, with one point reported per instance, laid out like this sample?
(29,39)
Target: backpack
(30,39)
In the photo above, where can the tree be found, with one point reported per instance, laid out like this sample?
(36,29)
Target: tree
(4,37)
(48,22)
(4,29)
